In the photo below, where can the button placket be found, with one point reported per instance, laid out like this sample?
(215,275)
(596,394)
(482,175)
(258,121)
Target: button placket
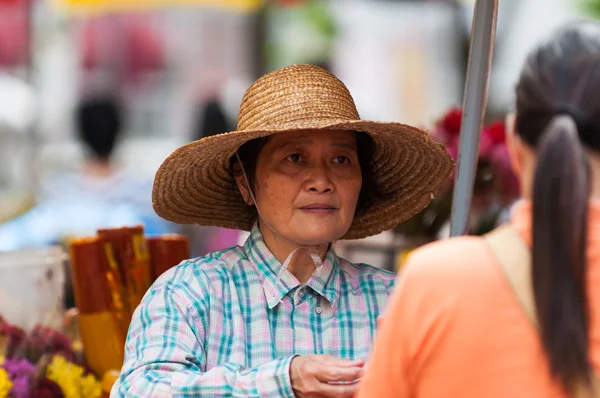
(319,306)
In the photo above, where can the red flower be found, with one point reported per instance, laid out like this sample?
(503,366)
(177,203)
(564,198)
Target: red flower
(497,132)
(451,122)
(41,340)
(46,388)
(44,340)
(14,335)
(486,144)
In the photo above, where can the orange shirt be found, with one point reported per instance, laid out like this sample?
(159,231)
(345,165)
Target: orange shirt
(454,328)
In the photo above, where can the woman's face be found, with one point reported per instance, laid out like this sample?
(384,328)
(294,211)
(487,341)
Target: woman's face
(307,184)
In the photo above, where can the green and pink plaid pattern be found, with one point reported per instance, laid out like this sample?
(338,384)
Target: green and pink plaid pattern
(219,326)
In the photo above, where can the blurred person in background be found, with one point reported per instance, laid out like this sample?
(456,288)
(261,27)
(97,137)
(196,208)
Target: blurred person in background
(205,239)
(516,313)
(99,124)
(211,120)
(97,195)
(283,315)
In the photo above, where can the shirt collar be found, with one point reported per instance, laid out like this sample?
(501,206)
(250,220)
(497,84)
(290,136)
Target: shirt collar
(324,281)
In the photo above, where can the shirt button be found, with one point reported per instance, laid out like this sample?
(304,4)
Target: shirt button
(318,310)
(301,294)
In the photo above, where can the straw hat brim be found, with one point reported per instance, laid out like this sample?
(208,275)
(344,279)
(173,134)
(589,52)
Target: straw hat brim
(194,184)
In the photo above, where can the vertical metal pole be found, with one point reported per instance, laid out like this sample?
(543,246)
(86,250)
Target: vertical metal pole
(483,32)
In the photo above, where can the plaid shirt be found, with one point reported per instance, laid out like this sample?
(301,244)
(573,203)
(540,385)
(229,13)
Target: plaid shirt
(221,326)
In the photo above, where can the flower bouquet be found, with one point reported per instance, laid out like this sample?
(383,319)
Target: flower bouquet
(43,363)
(496,187)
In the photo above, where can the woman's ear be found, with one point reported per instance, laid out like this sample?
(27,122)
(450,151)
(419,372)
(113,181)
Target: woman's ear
(514,145)
(242,184)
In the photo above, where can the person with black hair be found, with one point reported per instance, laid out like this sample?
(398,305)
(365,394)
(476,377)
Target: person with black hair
(99,124)
(517,312)
(212,120)
(98,194)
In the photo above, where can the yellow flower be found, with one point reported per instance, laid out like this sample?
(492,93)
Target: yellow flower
(71,379)
(5,384)
(77,346)
(90,387)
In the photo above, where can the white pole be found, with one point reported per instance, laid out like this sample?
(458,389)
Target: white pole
(480,61)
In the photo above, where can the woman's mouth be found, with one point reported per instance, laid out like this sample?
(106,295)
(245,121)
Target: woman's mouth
(319,208)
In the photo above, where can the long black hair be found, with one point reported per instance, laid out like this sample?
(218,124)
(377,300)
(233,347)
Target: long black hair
(558,114)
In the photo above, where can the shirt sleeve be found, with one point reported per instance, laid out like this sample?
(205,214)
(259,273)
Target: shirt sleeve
(164,356)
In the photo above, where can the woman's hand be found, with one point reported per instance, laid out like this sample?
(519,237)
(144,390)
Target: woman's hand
(312,376)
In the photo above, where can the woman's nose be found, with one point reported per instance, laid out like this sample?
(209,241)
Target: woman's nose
(319,181)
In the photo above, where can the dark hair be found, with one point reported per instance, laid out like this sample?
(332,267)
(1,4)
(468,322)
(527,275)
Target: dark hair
(98,122)
(211,120)
(558,114)
(370,191)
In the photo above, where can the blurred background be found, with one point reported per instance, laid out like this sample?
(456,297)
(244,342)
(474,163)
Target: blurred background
(94,94)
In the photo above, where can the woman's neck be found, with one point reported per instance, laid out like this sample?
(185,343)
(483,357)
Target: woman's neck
(301,265)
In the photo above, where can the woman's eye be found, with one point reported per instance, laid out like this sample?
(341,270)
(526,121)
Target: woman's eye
(341,160)
(294,158)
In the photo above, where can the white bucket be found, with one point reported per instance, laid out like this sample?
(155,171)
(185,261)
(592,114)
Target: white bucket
(32,287)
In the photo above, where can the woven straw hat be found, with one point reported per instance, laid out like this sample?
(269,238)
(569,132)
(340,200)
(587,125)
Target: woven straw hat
(194,184)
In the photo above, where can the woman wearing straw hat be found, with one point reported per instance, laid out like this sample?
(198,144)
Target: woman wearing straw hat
(282,315)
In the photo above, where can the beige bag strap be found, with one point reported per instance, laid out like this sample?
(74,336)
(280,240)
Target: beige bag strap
(514,257)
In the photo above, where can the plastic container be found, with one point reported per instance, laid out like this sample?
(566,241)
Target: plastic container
(32,284)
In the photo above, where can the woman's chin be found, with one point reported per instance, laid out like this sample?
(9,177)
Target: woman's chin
(315,235)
